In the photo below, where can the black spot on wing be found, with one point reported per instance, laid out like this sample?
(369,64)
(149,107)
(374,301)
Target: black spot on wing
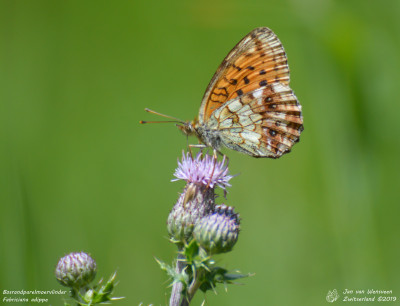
(272,132)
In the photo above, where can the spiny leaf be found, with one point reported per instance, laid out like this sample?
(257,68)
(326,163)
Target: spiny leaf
(191,250)
(167,268)
(219,275)
(182,277)
(231,277)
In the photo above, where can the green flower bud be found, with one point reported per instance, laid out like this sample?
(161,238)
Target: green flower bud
(218,232)
(76,270)
(195,202)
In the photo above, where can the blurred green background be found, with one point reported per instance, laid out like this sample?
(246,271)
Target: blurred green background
(78,172)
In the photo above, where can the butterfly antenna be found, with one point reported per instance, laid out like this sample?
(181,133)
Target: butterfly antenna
(162,115)
(167,121)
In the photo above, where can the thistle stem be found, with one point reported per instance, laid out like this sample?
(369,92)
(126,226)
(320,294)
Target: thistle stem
(194,286)
(177,286)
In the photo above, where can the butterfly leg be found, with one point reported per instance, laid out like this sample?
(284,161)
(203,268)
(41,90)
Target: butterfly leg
(199,146)
(215,157)
(224,157)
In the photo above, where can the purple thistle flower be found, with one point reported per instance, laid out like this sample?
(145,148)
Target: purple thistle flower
(203,170)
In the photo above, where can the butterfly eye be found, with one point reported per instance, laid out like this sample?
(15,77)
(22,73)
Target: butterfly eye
(186,128)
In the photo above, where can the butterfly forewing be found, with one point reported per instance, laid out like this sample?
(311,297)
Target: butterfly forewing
(256,61)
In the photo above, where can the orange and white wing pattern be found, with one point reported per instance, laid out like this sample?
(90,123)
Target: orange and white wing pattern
(249,103)
(256,61)
(266,122)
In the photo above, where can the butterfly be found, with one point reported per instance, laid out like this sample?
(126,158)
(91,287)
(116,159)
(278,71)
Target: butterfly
(248,105)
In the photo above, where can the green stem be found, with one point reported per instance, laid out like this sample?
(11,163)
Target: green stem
(194,286)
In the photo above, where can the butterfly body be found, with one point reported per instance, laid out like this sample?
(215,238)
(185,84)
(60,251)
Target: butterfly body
(206,133)
(248,105)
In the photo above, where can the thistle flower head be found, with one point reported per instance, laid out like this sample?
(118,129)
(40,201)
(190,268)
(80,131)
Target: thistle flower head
(76,270)
(218,231)
(203,170)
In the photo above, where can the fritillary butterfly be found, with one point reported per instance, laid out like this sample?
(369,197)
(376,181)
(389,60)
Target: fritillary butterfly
(248,105)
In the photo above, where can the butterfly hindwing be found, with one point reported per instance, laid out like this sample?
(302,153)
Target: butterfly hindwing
(266,122)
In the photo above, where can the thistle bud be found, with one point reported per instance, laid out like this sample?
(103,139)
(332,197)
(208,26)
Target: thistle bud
(76,270)
(218,232)
(194,203)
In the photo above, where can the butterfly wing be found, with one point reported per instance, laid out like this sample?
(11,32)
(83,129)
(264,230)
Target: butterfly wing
(256,61)
(266,122)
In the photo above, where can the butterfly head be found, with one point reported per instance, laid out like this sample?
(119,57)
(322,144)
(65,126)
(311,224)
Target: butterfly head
(188,128)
